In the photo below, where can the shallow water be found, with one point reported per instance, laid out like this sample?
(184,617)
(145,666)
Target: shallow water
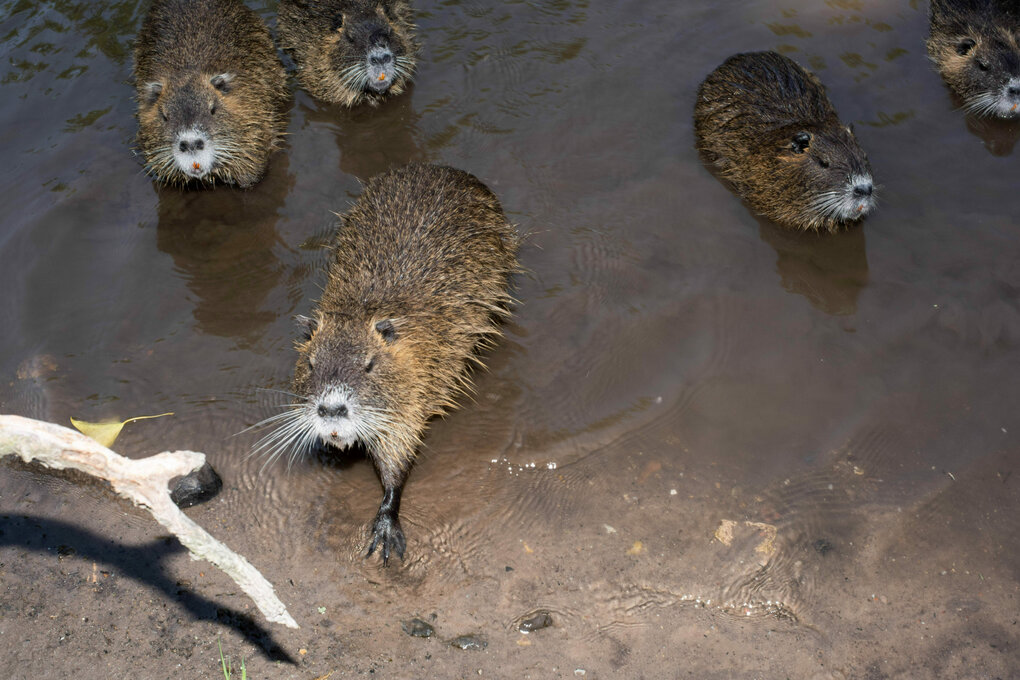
(707,446)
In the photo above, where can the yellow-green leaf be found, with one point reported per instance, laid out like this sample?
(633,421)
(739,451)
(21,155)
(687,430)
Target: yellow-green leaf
(107,431)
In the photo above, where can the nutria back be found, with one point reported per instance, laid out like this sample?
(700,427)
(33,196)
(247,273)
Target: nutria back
(350,51)
(768,127)
(975,45)
(418,279)
(211,92)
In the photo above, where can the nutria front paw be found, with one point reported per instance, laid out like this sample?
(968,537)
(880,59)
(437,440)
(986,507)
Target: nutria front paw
(387,536)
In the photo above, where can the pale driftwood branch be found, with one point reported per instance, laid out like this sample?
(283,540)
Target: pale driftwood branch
(143,482)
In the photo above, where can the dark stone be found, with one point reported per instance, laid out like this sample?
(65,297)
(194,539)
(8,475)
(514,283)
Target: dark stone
(195,488)
(822,546)
(476,642)
(417,628)
(537,622)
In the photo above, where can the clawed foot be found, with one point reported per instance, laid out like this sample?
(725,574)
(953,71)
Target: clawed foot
(388,537)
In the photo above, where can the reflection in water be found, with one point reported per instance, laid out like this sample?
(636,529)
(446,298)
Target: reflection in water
(998,136)
(373,138)
(222,242)
(828,269)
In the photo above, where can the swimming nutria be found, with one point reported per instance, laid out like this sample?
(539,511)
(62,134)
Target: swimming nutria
(768,127)
(418,278)
(211,92)
(350,51)
(975,45)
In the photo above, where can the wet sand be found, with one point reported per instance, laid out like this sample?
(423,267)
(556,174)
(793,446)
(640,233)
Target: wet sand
(707,447)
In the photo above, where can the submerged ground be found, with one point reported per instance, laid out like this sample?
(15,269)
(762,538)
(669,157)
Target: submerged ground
(706,447)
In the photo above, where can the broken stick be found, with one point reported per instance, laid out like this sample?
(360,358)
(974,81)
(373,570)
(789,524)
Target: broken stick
(143,482)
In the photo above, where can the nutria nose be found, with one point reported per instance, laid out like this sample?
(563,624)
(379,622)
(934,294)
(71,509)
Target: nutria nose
(334,412)
(863,189)
(1014,91)
(189,144)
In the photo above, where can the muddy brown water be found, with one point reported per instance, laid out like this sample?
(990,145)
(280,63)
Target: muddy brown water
(706,447)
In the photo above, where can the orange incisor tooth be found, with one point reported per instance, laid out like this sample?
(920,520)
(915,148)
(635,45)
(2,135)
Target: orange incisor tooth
(382,76)
(196,165)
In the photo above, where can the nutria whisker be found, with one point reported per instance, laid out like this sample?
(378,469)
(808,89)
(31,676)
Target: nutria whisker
(265,422)
(280,439)
(273,449)
(981,104)
(276,420)
(279,391)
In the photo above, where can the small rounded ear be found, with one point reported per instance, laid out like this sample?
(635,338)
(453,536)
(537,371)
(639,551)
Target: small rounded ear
(801,141)
(964,46)
(307,325)
(151,92)
(223,82)
(338,23)
(386,329)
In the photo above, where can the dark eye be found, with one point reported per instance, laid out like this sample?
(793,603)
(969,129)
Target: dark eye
(965,46)
(981,64)
(386,330)
(212,108)
(822,162)
(222,82)
(801,141)
(370,365)
(163,115)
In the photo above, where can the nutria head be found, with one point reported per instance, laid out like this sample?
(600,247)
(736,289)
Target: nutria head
(211,92)
(766,125)
(356,381)
(186,125)
(976,46)
(822,177)
(350,51)
(367,54)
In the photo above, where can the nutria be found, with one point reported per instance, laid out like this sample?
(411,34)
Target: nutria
(975,45)
(350,51)
(211,92)
(417,282)
(767,126)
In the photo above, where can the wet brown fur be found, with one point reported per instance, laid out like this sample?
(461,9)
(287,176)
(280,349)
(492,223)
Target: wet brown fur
(427,249)
(320,44)
(183,44)
(994,31)
(746,113)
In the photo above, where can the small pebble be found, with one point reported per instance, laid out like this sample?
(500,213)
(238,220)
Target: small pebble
(469,642)
(537,622)
(417,628)
(195,488)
